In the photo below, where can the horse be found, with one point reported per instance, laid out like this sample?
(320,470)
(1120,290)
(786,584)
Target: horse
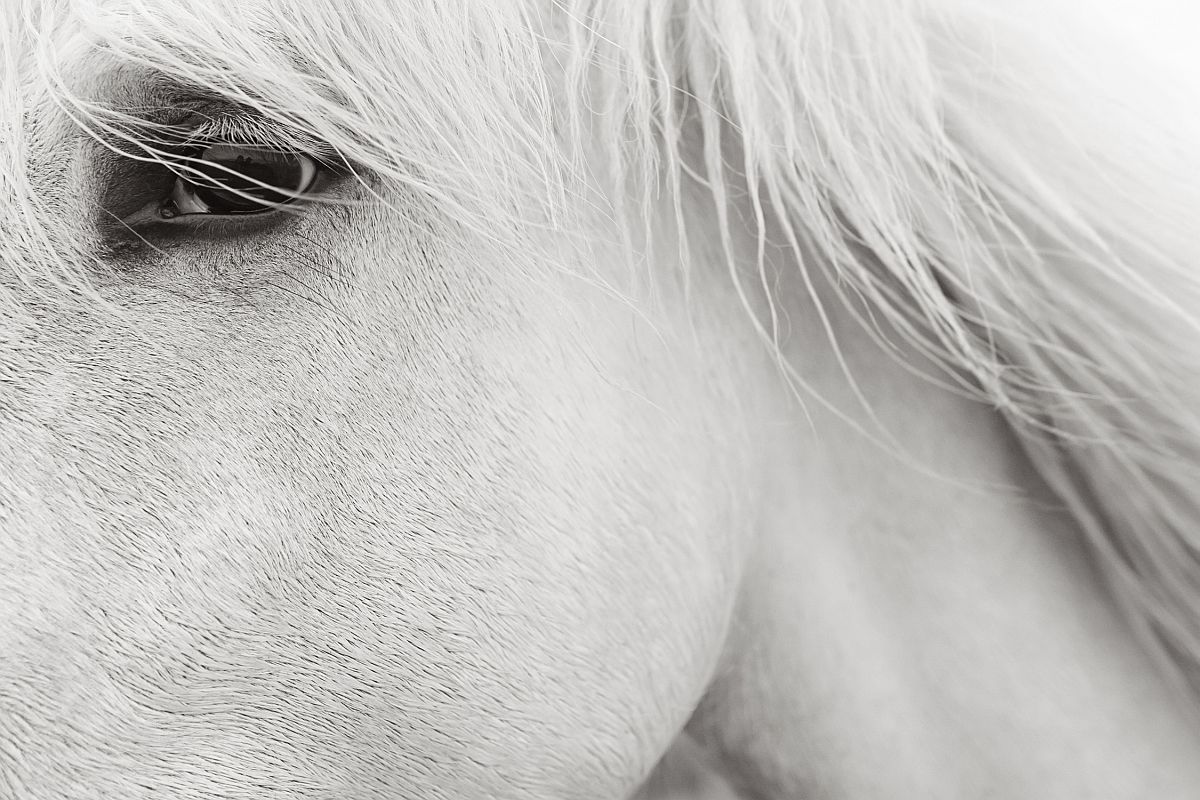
(458,400)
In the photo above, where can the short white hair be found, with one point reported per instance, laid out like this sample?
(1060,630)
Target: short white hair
(1014,196)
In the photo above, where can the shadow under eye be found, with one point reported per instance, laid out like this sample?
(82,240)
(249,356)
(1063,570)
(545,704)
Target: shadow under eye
(125,245)
(146,227)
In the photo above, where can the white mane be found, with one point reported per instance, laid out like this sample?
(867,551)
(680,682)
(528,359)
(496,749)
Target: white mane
(1027,196)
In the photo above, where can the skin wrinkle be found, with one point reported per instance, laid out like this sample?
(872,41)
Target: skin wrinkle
(484,481)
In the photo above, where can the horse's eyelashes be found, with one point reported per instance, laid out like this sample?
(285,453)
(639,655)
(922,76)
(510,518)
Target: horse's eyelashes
(227,179)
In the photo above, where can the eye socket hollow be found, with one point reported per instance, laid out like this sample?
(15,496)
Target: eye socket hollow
(234,179)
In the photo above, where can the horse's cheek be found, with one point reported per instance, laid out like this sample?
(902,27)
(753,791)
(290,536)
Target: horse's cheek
(582,595)
(315,551)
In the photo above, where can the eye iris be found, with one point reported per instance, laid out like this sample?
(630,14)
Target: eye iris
(236,185)
(238,179)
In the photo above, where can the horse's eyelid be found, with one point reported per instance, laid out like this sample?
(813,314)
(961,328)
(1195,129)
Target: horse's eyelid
(255,131)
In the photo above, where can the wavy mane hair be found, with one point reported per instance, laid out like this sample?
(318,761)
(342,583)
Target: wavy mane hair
(1013,196)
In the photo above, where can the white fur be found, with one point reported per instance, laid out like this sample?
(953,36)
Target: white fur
(1013,206)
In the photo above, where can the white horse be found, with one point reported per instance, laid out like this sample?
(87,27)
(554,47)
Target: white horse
(462,399)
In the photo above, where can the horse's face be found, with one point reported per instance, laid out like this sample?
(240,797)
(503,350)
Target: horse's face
(349,504)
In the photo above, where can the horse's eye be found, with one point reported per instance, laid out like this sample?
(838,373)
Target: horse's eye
(230,179)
